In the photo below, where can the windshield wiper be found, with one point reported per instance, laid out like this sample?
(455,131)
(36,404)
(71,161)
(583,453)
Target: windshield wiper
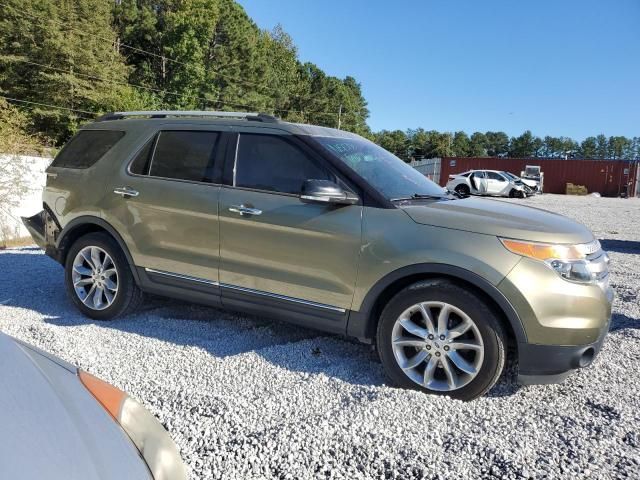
(420,196)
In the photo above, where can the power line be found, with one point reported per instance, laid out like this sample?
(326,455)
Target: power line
(163,57)
(158,90)
(47,105)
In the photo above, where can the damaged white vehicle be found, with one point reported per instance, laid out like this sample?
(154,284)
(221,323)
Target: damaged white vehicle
(490,182)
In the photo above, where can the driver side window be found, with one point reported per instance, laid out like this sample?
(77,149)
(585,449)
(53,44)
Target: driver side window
(495,176)
(269,162)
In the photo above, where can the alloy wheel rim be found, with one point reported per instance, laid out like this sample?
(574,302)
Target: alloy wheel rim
(95,278)
(438,346)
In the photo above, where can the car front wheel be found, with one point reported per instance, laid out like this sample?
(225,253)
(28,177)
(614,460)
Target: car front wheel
(440,338)
(98,278)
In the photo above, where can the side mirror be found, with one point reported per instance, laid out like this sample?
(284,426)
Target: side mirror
(326,191)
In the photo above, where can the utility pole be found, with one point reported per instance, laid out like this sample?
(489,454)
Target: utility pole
(339,116)
(73,92)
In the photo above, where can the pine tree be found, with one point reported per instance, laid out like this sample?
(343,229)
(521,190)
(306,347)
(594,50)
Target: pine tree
(63,53)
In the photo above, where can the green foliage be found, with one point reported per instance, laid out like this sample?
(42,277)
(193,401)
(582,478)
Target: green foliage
(396,142)
(208,54)
(478,145)
(14,136)
(497,144)
(75,40)
(93,56)
(461,146)
(419,143)
(589,147)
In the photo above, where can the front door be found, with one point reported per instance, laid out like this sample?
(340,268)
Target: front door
(167,211)
(274,246)
(496,183)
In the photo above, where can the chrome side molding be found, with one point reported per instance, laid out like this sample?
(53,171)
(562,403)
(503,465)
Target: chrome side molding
(245,289)
(182,277)
(283,297)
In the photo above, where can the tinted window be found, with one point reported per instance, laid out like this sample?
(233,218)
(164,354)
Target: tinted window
(268,162)
(184,155)
(140,165)
(86,148)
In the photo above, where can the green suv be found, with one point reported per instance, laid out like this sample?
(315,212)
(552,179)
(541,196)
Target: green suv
(327,230)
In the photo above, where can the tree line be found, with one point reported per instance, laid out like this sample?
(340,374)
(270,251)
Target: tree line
(419,143)
(65,60)
(62,62)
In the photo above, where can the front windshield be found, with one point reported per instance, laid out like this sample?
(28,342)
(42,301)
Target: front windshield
(392,177)
(511,176)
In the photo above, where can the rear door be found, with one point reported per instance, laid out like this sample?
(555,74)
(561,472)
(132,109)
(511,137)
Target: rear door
(164,203)
(479,182)
(286,255)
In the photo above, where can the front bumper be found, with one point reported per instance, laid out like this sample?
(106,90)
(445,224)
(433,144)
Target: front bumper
(565,323)
(543,364)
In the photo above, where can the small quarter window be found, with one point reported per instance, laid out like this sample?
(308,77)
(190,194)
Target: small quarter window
(86,148)
(184,155)
(140,165)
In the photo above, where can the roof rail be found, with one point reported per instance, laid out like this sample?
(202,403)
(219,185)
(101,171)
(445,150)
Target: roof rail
(260,117)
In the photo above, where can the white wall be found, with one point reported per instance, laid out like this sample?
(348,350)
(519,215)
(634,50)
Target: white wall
(31,203)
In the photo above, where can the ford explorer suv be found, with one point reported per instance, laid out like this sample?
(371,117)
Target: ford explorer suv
(327,230)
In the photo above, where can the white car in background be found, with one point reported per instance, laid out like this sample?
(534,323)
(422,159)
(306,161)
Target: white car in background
(490,182)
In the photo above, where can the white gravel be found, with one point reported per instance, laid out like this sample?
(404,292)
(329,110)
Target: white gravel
(248,398)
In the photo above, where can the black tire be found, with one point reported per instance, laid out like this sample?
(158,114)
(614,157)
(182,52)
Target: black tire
(128,297)
(486,321)
(463,190)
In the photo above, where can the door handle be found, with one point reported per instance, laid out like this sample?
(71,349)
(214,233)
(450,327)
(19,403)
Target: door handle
(244,210)
(126,192)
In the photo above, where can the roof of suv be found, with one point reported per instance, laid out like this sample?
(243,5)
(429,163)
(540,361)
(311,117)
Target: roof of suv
(232,119)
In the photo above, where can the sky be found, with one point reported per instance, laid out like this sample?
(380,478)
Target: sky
(564,67)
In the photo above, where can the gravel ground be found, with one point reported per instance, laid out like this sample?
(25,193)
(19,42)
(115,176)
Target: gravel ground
(247,398)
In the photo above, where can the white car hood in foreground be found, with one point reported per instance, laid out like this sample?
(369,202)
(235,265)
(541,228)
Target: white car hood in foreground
(52,428)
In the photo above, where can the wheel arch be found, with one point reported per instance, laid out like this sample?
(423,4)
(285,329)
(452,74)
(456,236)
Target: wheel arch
(362,324)
(83,225)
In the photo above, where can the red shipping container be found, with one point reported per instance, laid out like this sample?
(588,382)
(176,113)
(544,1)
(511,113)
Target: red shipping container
(610,178)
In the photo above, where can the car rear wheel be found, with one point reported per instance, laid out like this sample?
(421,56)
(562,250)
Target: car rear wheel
(98,278)
(440,338)
(463,190)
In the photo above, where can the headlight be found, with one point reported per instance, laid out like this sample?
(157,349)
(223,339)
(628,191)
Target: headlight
(148,435)
(582,263)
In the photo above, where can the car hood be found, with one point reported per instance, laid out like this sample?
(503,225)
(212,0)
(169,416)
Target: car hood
(503,219)
(52,427)
(527,181)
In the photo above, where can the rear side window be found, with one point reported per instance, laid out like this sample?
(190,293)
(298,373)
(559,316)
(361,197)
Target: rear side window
(268,162)
(184,155)
(86,148)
